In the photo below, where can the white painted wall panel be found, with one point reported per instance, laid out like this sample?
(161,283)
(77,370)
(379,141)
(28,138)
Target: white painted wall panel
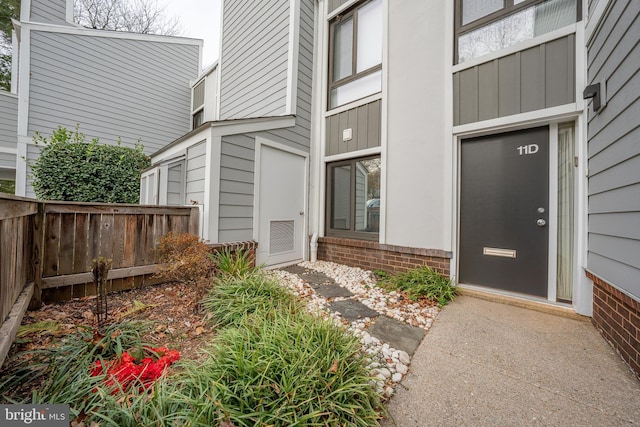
(8,121)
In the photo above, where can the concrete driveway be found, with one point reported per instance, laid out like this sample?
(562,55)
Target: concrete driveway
(489,364)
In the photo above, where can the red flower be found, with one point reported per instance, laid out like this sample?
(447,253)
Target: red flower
(126,369)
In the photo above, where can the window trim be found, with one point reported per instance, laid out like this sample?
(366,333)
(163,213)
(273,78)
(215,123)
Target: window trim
(508,9)
(351,234)
(339,17)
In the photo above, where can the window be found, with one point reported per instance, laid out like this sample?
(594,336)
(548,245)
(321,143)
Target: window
(197,119)
(355,63)
(197,104)
(353,202)
(485,26)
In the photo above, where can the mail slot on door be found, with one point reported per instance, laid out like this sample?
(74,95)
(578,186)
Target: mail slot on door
(505,253)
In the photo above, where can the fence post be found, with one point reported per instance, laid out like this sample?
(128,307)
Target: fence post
(194,221)
(37,259)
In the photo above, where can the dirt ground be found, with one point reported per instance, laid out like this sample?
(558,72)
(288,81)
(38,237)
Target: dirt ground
(172,310)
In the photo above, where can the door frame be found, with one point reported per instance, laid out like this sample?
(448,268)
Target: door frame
(260,142)
(579,297)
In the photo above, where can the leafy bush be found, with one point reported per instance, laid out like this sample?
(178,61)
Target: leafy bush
(234,264)
(289,369)
(62,374)
(185,258)
(233,299)
(420,282)
(71,169)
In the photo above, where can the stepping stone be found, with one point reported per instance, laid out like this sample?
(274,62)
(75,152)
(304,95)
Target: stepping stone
(397,334)
(315,279)
(332,290)
(353,310)
(295,269)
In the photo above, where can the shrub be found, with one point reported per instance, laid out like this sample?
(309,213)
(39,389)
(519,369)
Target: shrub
(233,299)
(185,258)
(234,264)
(290,369)
(71,169)
(420,282)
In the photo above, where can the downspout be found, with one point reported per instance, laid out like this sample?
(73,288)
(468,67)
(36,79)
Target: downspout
(314,247)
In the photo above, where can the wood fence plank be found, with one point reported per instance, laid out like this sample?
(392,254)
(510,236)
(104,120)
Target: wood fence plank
(51,244)
(58,207)
(106,236)
(118,238)
(141,239)
(130,241)
(152,224)
(81,260)
(17,208)
(5,289)
(94,238)
(67,239)
(194,221)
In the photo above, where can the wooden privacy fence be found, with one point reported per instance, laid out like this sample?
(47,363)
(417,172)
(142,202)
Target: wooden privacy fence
(46,250)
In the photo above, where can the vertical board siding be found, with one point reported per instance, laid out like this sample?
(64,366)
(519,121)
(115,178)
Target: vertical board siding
(364,122)
(237,170)
(614,152)
(255,43)
(8,122)
(196,173)
(133,90)
(50,11)
(539,77)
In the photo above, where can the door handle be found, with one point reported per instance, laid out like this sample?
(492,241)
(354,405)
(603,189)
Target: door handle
(541,222)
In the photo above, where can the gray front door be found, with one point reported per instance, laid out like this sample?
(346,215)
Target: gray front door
(504,203)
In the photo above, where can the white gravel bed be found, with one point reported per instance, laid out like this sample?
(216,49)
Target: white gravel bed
(388,365)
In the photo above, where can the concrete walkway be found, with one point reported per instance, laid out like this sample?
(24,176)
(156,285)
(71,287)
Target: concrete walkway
(490,364)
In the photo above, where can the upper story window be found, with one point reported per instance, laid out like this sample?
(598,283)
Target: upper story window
(485,26)
(197,104)
(355,56)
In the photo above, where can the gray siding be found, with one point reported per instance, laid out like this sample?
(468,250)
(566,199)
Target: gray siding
(364,121)
(539,77)
(112,87)
(334,4)
(7,160)
(196,172)
(175,184)
(255,40)
(614,152)
(299,137)
(237,168)
(8,121)
(49,11)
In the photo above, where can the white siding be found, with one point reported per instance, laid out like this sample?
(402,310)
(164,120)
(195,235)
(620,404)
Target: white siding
(8,121)
(112,87)
(614,152)
(196,171)
(237,167)
(7,161)
(254,57)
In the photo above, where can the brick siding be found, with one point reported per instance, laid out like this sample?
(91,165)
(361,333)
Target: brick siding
(617,316)
(376,256)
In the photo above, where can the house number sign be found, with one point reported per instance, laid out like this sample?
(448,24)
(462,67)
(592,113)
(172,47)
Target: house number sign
(528,149)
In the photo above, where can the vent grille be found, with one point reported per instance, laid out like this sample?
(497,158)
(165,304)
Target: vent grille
(281,236)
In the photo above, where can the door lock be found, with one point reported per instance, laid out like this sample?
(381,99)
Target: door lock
(541,222)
